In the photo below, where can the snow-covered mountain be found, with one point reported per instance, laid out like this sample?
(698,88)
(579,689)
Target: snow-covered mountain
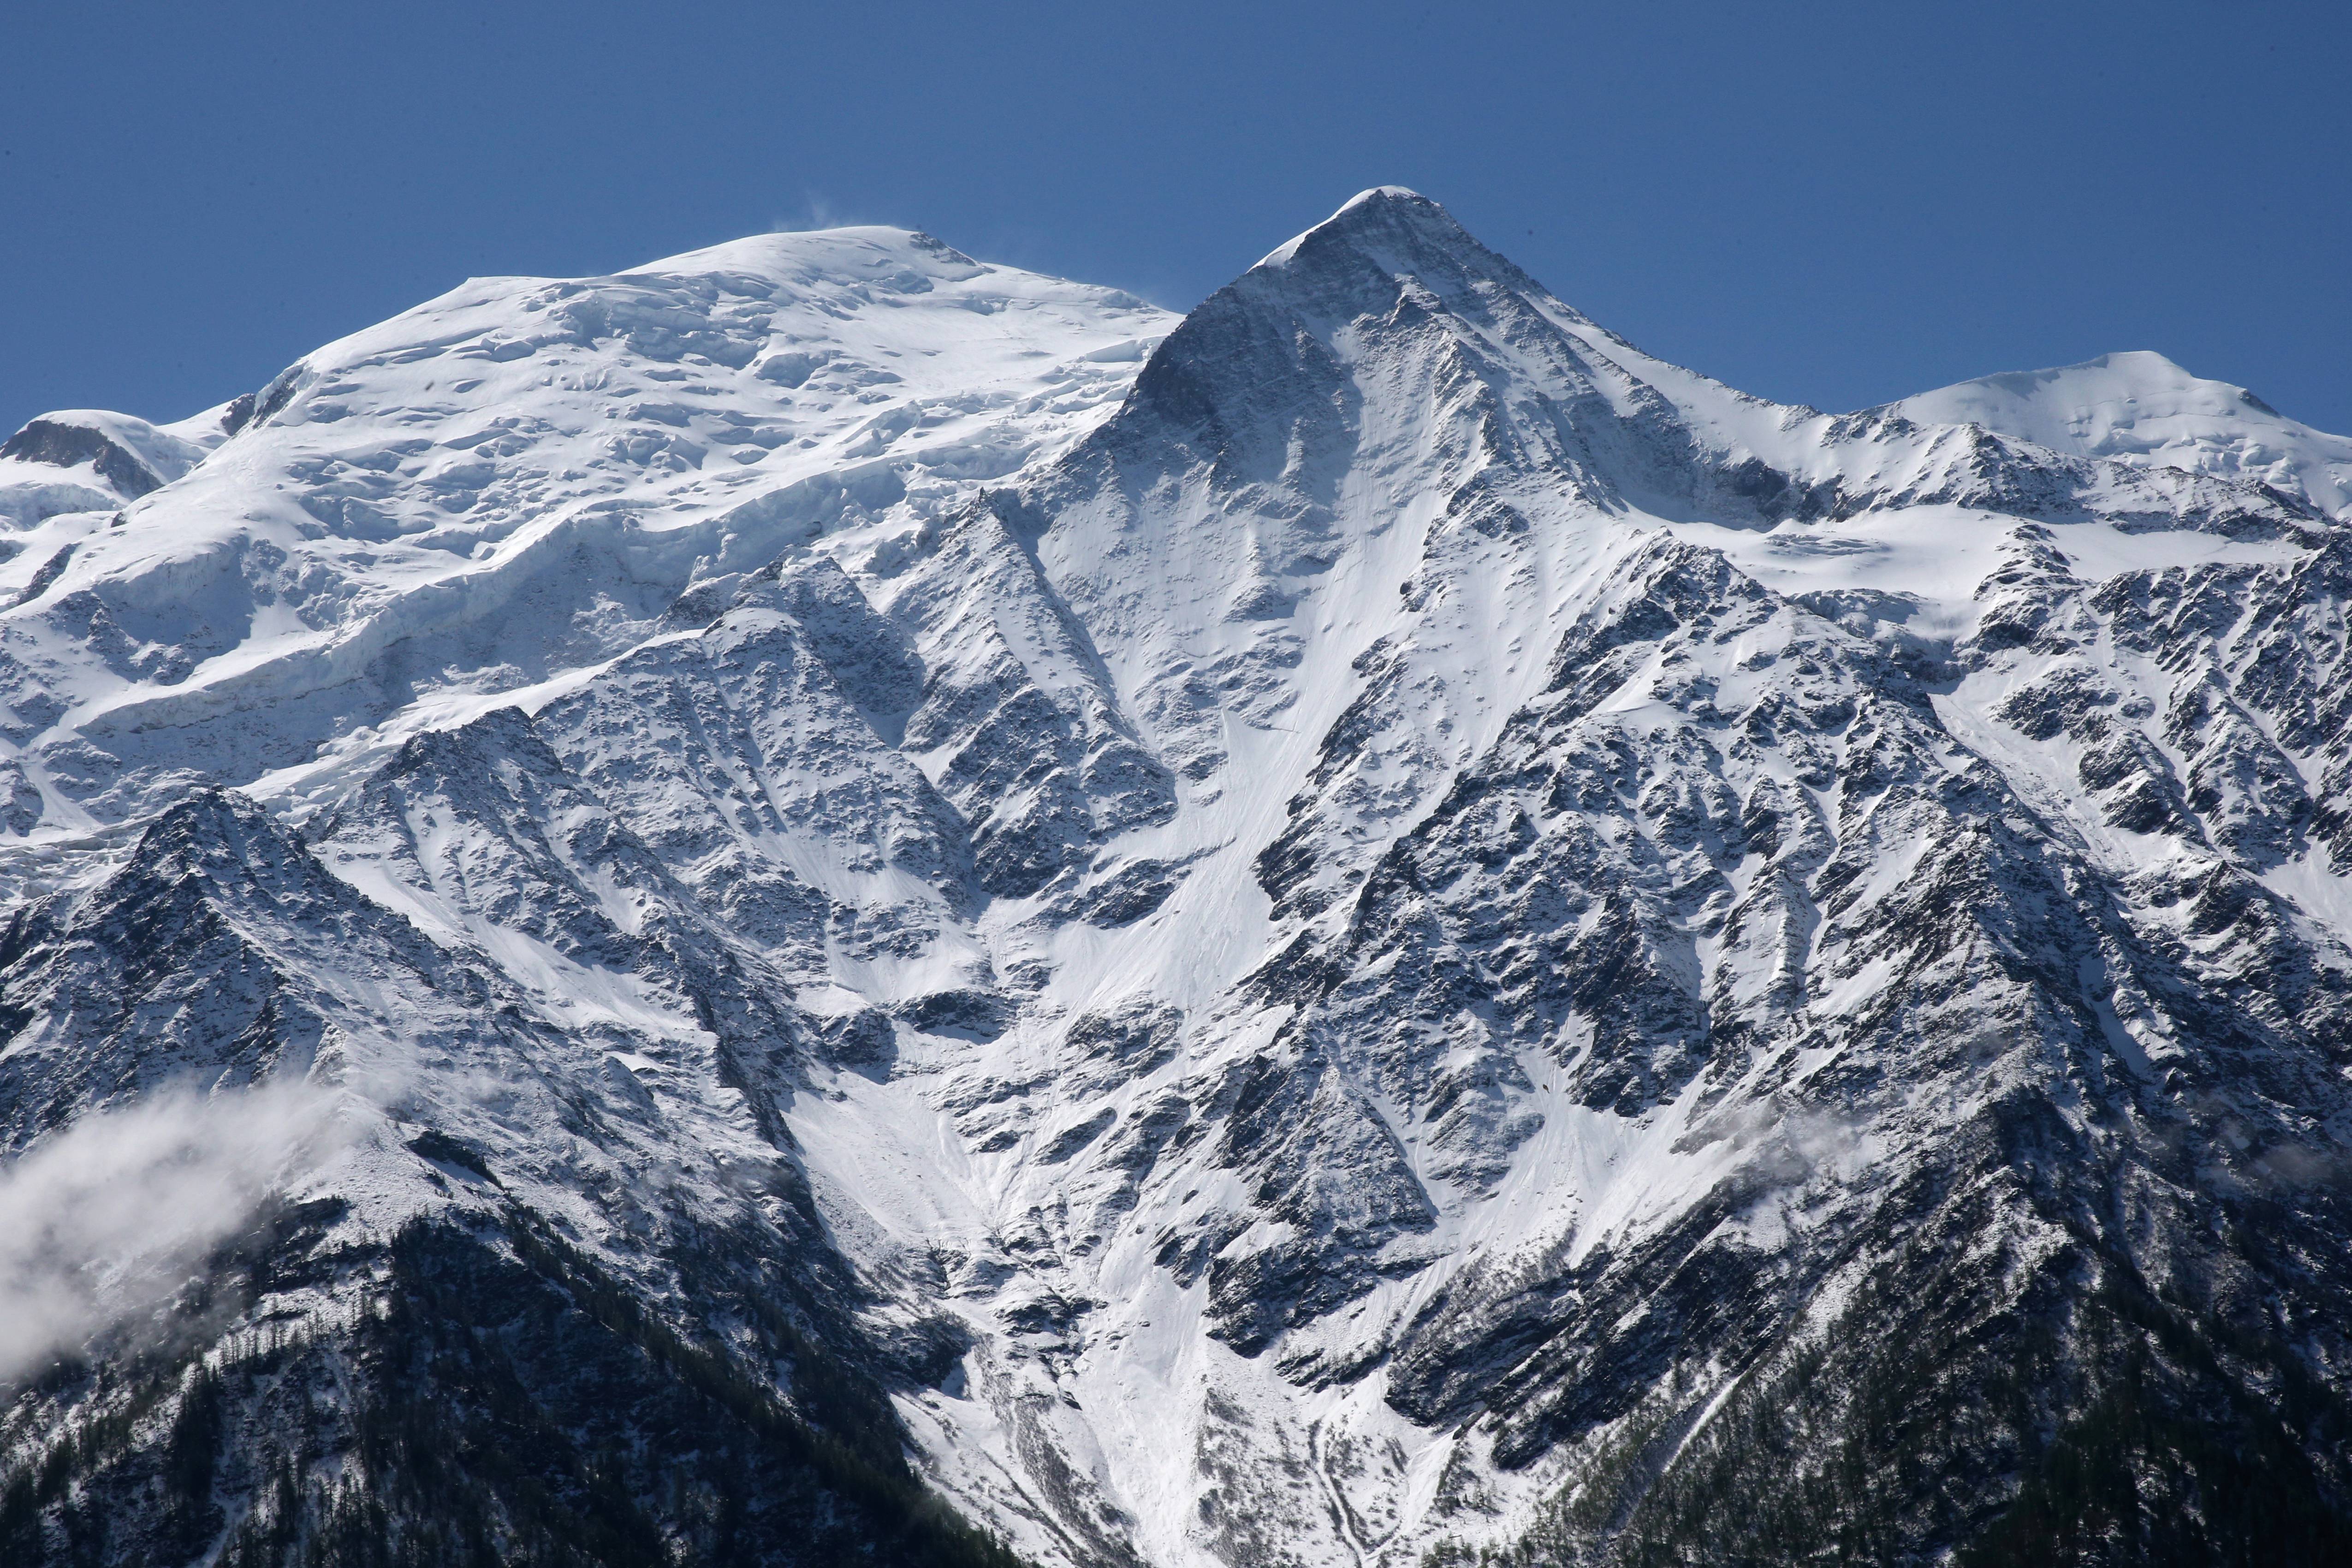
(2142,407)
(1364,925)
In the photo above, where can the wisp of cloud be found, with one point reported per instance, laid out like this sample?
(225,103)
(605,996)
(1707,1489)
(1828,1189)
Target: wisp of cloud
(103,1220)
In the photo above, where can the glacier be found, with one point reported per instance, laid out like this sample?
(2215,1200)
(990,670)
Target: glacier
(945,916)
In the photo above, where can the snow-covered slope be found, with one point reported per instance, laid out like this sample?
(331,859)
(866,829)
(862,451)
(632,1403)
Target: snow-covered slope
(79,459)
(2142,407)
(514,480)
(1369,924)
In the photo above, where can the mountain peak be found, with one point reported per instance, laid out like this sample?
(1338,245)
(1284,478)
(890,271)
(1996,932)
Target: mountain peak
(2138,404)
(1402,225)
(851,253)
(1389,200)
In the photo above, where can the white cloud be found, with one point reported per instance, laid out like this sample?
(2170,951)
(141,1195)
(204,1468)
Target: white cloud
(104,1219)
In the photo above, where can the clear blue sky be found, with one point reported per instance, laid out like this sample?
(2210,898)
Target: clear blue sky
(1837,204)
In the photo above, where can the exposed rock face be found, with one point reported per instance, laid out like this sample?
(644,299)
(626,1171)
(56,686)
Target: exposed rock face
(63,446)
(1366,925)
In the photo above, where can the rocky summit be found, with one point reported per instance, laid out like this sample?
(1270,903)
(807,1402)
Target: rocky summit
(822,903)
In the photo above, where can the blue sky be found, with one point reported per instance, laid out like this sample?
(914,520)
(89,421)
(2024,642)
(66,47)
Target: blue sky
(1833,203)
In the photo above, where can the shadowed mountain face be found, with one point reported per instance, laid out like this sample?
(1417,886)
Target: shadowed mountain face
(825,899)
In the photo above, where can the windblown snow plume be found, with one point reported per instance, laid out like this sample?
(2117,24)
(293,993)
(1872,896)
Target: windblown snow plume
(104,1220)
